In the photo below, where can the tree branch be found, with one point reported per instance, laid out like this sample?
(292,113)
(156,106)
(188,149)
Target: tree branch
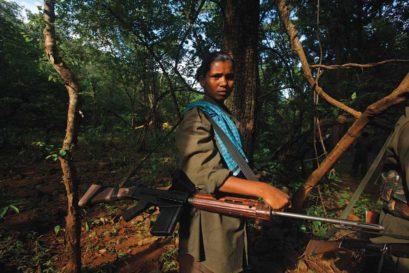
(355,65)
(143,42)
(297,47)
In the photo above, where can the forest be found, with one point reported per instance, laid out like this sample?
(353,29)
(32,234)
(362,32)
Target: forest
(91,92)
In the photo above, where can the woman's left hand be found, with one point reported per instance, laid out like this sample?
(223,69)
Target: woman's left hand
(276,198)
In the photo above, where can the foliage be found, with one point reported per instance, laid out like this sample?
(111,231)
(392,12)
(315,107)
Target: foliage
(51,152)
(4,210)
(26,253)
(317,228)
(348,32)
(334,200)
(57,230)
(168,259)
(9,205)
(27,99)
(127,69)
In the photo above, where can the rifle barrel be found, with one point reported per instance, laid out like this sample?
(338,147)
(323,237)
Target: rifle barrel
(341,222)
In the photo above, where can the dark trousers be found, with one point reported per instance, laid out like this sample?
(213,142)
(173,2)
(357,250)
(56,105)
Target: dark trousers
(395,225)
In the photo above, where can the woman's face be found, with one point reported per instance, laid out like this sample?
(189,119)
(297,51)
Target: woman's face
(219,80)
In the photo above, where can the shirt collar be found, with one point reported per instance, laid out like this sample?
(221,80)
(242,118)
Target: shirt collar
(221,106)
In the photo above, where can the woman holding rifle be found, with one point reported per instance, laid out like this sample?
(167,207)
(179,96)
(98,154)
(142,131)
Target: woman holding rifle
(210,242)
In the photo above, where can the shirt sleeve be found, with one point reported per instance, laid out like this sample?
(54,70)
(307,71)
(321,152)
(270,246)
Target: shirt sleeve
(197,152)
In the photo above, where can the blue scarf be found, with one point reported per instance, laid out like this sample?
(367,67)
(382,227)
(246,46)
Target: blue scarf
(228,127)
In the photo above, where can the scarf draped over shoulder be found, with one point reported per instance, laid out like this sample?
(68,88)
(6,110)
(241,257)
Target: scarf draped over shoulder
(222,119)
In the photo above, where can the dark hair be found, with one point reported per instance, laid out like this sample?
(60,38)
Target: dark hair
(209,59)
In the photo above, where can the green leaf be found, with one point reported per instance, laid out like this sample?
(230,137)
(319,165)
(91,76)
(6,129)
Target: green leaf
(62,152)
(353,96)
(53,157)
(27,39)
(86,226)
(14,208)
(38,143)
(3,211)
(316,224)
(57,229)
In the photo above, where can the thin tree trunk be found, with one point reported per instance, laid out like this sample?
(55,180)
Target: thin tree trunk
(241,25)
(72,220)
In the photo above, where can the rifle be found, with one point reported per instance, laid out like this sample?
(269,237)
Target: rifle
(316,247)
(172,202)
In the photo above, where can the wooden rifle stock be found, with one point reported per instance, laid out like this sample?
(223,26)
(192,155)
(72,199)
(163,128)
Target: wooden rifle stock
(250,208)
(99,194)
(233,206)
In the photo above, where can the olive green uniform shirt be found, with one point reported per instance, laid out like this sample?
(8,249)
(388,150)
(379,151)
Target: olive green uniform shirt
(397,158)
(397,152)
(213,239)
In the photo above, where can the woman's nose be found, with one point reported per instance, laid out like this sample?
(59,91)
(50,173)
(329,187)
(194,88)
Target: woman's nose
(223,81)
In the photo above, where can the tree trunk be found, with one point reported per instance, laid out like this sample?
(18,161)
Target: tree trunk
(241,25)
(72,220)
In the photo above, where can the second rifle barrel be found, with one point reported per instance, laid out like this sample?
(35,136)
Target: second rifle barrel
(341,222)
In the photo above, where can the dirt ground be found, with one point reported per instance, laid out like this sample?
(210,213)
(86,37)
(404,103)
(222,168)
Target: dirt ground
(32,239)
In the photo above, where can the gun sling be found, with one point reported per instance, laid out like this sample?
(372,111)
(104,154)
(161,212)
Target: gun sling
(243,165)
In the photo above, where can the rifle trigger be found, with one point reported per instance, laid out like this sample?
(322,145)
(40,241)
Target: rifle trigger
(136,210)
